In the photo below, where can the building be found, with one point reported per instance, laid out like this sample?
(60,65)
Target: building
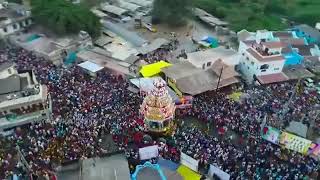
(205,59)
(22,98)
(14,18)
(311,34)
(260,60)
(184,78)
(114,11)
(270,57)
(55,49)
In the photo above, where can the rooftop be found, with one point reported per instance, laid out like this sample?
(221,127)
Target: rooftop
(272,78)
(282,34)
(274,44)
(265,58)
(154,45)
(200,57)
(113,9)
(180,70)
(309,30)
(12,13)
(296,72)
(304,50)
(5,65)
(90,66)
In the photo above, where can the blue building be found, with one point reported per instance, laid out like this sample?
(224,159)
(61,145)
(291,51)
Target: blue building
(311,34)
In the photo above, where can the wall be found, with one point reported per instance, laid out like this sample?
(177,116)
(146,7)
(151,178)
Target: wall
(250,66)
(19,26)
(5,73)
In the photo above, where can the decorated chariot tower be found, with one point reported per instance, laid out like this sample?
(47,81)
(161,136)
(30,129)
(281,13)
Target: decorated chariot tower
(158,110)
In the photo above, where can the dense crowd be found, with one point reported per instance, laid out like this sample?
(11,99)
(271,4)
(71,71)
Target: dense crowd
(85,109)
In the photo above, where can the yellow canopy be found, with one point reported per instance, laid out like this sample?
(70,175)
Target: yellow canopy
(187,173)
(153,69)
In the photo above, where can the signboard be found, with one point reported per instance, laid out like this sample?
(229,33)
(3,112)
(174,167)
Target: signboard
(314,151)
(189,162)
(295,143)
(218,172)
(184,102)
(271,134)
(148,152)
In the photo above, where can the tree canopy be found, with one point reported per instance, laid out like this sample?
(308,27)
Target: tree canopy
(172,12)
(63,17)
(262,14)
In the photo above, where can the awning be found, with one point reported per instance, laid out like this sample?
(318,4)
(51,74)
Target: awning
(90,66)
(153,69)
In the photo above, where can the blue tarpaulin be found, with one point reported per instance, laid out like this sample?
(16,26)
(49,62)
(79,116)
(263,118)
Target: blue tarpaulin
(71,58)
(293,58)
(33,37)
(212,41)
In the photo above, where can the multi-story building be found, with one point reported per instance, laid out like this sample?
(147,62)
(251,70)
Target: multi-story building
(267,56)
(22,99)
(14,18)
(261,60)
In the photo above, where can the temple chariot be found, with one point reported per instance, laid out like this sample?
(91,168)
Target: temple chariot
(158,110)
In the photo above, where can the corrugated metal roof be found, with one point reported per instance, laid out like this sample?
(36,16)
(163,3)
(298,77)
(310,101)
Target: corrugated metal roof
(129,36)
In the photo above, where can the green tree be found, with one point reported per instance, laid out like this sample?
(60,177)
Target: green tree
(63,17)
(172,12)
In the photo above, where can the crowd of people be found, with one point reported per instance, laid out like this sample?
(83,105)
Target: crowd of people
(85,109)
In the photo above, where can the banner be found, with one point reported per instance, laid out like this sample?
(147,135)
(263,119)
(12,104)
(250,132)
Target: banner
(189,162)
(148,152)
(271,134)
(218,172)
(314,151)
(295,143)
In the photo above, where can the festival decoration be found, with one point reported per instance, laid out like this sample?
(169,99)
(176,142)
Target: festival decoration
(158,109)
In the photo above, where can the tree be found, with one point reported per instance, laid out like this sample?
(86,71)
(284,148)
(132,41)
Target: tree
(63,17)
(172,12)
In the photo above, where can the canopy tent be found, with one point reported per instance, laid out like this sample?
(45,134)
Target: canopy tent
(153,69)
(90,66)
(146,85)
(187,173)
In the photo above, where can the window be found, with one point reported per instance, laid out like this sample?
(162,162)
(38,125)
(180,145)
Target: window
(203,66)
(248,67)
(263,70)
(20,24)
(15,26)
(247,58)
(252,63)
(264,67)
(9,71)
(276,69)
(5,30)
(208,64)
(242,54)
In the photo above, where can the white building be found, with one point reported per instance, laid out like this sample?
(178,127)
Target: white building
(14,18)
(261,60)
(205,59)
(22,98)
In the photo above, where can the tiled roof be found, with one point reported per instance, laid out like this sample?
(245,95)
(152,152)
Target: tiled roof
(272,78)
